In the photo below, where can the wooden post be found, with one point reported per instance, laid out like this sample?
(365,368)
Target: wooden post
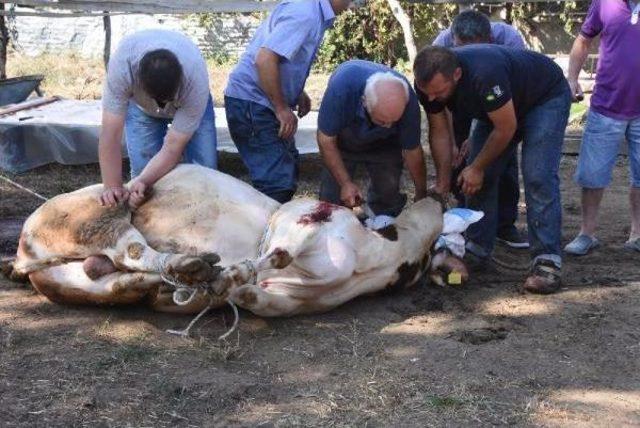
(106,21)
(4,42)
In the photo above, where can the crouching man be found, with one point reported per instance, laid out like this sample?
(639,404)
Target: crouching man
(512,95)
(370,117)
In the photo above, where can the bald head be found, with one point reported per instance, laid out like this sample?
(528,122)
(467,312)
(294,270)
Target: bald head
(386,96)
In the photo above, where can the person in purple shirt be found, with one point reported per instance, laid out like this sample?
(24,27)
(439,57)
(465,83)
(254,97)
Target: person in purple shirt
(614,113)
(467,28)
(268,84)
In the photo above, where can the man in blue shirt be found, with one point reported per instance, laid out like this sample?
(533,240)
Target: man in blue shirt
(370,116)
(471,27)
(268,84)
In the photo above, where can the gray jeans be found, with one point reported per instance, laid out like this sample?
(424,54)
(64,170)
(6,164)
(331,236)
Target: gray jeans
(384,169)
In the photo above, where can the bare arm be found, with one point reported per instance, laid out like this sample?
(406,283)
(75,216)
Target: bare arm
(268,66)
(110,157)
(504,127)
(441,144)
(159,165)
(350,194)
(414,161)
(577,58)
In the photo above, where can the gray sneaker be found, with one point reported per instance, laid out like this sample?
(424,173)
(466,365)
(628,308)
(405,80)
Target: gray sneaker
(581,245)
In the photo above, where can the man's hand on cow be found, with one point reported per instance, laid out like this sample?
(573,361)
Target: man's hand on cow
(138,194)
(304,105)
(350,195)
(288,123)
(114,195)
(470,180)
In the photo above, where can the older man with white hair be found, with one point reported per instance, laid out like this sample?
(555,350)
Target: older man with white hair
(370,117)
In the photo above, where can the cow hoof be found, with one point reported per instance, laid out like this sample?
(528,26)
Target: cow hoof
(194,270)
(186,265)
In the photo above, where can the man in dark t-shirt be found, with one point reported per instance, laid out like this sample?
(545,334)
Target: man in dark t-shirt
(512,95)
(370,117)
(472,27)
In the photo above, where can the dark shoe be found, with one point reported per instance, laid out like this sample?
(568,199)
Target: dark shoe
(544,278)
(513,238)
(476,264)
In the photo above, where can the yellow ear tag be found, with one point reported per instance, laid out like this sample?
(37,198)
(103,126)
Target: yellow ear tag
(454,278)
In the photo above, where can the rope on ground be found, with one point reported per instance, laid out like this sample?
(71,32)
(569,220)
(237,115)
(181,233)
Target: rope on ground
(21,187)
(192,291)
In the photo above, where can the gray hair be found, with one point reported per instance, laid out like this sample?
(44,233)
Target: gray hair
(370,95)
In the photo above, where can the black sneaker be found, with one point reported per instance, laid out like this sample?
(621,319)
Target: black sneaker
(513,238)
(477,264)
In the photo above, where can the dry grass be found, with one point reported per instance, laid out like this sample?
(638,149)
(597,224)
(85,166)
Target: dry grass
(71,76)
(66,74)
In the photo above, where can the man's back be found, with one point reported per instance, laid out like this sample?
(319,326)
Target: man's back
(501,34)
(492,75)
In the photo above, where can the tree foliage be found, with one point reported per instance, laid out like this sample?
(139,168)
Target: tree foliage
(372,32)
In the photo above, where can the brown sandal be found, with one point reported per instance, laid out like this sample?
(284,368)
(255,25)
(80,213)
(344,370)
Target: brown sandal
(544,278)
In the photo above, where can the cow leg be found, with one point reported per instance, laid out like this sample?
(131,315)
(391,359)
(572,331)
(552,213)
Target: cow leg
(163,302)
(263,303)
(132,252)
(69,284)
(245,272)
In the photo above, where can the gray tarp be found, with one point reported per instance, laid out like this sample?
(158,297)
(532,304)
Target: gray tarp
(66,132)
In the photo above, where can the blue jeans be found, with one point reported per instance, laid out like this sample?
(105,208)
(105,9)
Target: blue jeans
(272,161)
(600,147)
(542,133)
(508,187)
(145,134)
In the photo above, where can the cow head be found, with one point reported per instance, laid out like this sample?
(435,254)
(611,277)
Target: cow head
(417,227)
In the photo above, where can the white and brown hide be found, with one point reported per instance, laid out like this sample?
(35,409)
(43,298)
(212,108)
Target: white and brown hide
(203,226)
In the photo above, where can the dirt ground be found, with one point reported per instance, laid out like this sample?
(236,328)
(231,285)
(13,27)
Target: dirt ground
(477,355)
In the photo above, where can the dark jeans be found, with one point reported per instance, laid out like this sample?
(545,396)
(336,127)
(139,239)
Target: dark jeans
(384,169)
(508,186)
(542,133)
(272,161)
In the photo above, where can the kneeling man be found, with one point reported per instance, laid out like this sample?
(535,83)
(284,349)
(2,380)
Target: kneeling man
(370,116)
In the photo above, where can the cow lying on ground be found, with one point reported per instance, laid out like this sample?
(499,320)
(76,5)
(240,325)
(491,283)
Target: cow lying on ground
(203,227)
